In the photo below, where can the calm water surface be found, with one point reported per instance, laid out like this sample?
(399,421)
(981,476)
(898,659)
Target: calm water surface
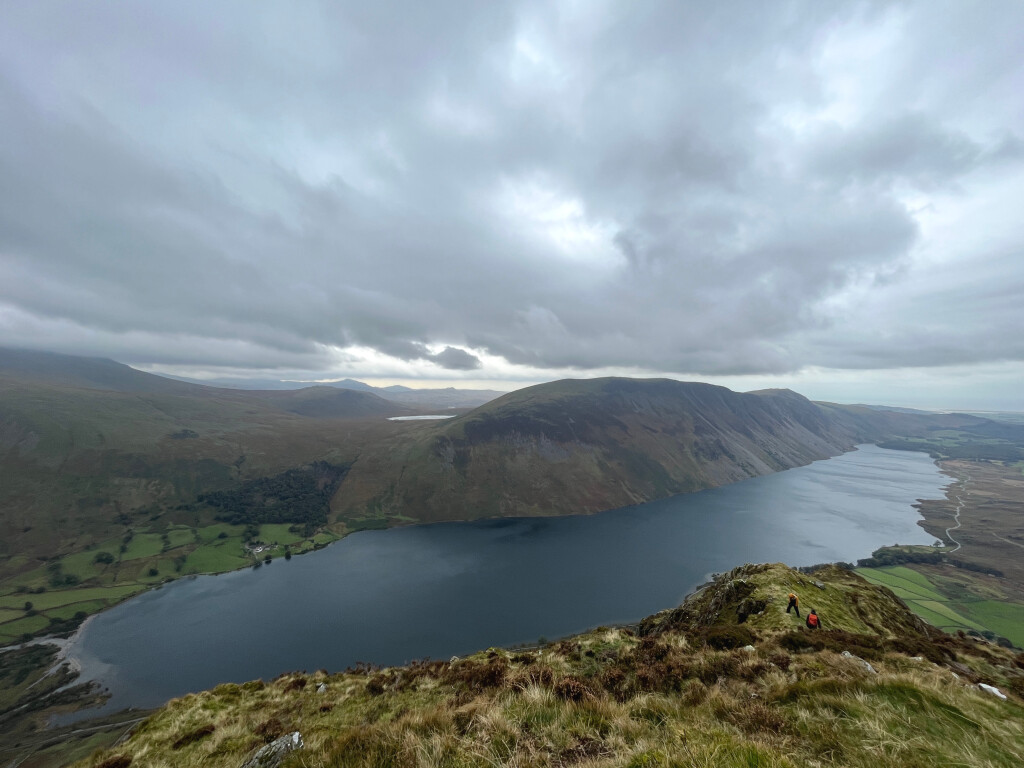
(448,589)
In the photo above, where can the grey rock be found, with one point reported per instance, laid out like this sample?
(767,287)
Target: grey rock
(748,648)
(961,670)
(819,585)
(866,665)
(322,688)
(993,690)
(275,752)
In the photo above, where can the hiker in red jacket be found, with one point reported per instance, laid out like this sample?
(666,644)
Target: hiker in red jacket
(813,622)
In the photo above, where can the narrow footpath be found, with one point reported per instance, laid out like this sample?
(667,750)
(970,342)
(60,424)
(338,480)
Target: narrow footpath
(956,515)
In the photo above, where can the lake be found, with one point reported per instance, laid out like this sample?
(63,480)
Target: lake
(387,597)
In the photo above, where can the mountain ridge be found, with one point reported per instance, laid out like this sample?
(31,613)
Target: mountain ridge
(584,445)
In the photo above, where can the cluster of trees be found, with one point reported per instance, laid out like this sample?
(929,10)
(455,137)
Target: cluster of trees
(300,496)
(58,578)
(964,450)
(885,556)
(974,567)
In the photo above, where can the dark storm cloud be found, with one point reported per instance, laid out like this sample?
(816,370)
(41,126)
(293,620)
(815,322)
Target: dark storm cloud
(456,359)
(695,187)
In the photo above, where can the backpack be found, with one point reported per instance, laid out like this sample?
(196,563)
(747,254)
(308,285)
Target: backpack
(812,620)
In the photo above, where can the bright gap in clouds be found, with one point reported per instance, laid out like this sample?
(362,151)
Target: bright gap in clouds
(557,221)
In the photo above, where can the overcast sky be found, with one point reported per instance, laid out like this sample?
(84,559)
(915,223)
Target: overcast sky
(822,195)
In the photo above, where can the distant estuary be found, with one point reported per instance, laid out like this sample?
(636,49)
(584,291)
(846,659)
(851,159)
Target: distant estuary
(387,597)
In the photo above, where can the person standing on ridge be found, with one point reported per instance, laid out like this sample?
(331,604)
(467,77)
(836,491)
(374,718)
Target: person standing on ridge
(794,602)
(813,622)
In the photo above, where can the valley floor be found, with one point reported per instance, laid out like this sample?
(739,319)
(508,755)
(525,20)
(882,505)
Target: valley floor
(980,587)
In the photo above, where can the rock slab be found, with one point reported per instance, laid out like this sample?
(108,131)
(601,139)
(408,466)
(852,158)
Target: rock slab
(273,753)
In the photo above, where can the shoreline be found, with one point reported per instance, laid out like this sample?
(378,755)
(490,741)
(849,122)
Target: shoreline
(257,562)
(675,592)
(66,644)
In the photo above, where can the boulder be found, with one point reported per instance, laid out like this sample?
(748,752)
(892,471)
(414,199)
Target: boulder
(866,665)
(275,752)
(993,690)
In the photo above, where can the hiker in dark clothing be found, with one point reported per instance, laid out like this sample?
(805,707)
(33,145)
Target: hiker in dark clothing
(794,602)
(813,622)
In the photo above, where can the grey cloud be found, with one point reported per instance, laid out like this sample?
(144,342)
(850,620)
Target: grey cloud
(909,147)
(456,359)
(565,186)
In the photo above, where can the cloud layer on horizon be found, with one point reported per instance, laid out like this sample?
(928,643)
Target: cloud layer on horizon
(490,188)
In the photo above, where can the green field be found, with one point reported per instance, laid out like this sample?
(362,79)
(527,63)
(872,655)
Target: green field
(48,600)
(950,610)
(143,545)
(216,558)
(904,582)
(278,533)
(1006,619)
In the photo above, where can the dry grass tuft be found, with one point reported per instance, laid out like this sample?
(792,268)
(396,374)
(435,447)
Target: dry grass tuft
(572,689)
(270,729)
(193,736)
(116,761)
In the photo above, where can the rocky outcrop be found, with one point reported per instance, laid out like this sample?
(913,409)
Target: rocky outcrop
(274,753)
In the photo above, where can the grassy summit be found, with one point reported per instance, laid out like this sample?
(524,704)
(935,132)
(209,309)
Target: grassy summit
(726,679)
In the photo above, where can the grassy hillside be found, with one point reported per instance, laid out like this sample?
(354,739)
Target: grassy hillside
(86,373)
(89,470)
(727,679)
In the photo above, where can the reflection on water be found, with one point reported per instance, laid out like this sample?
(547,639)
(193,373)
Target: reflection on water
(391,596)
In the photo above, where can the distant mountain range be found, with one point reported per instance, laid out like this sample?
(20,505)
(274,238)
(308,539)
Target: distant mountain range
(49,369)
(447,397)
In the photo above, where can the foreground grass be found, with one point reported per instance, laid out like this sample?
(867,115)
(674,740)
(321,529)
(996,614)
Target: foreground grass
(728,679)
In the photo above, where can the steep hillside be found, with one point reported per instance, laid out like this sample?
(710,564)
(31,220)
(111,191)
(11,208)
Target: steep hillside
(86,466)
(727,679)
(585,445)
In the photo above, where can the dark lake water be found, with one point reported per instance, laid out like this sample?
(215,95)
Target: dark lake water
(387,597)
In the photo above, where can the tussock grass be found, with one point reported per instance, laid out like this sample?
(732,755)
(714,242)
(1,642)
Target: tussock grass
(666,697)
